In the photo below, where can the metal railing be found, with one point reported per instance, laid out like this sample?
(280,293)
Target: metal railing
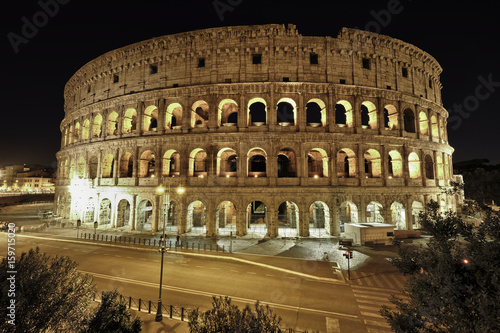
(176,245)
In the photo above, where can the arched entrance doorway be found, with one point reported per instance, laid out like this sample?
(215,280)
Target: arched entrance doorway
(226,218)
(105,212)
(319,219)
(196,217)
(398,215)
(257,218)
(145,216)
(123,213)
(348,213)
(288,219)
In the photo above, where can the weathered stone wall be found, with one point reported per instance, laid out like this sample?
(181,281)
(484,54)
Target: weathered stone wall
(135,134)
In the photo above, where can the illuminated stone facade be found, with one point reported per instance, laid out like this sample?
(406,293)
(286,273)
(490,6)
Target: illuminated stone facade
(268,132)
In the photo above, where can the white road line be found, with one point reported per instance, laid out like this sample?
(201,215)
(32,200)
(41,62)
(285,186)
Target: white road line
(234,271)
(377,323)
(332,325)
(210,295)
(371,314)
(270,275)
(253,273)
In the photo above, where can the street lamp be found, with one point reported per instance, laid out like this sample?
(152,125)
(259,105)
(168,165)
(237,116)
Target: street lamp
(160,190)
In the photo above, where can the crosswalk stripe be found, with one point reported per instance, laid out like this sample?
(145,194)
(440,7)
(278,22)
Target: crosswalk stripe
(377,323)
(371,314)
(377,298)
(398,282)
(388,281)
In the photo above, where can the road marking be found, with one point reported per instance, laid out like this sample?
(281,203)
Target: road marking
(270,275)
(376,323)
(117,255)
(371,314)
(234,271)
(214,268)
(106,254)
(210,295)
(199,266)
(253,273)
(367,307)
(130,258)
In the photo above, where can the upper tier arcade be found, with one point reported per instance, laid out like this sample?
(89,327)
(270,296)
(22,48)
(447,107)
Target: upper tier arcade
(264,53)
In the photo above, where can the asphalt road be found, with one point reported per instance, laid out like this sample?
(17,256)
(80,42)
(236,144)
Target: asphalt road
(190,281)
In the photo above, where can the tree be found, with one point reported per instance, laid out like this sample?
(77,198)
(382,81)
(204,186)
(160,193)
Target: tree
(454,280)
(50,295)
(228,318)
(113,316)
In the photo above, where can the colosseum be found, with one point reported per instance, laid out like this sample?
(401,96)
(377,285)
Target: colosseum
(267,132)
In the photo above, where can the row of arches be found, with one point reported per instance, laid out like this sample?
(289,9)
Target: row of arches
(226,162)
(254,217)
(198,115)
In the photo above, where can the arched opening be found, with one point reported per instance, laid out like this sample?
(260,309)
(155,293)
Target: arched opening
(77,132)
(65,137)
(423,123)
(96,126)
(439,166)
(346,163)
(130,121)
(126,165)
(416,208)
(257,112)
(123,213)
(86,129)
(172,218)
(288,219)
(227,163)
(373,167)
(198,166)
(196,217)
(93,162)
(287,166)
(414,165)
(171,163)
(286,112)
(257,163)
(150,119)
(398,215)
(199,114)
(319,219)
(429,167)
(395,164)
(81,167)
(147,164)
(441,129)
(226,218)
(107,166)
(70,135)
(227,114)
(392,117)
(112,124)
(89,211)
(105,212)
(145,216)
(317,163)
(348,213)
(434,128)
(256,218)
(374,212)
(409,120)
(315,113)
(173,118)
(372,114)
(343,114)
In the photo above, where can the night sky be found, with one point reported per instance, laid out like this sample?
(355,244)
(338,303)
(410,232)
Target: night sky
(463,36)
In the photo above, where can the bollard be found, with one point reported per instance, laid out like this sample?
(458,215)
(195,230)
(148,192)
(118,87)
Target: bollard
(182,314)
(106,238)
(129,302)
(134,240)
(149,243)
(210,247)
(171,311)
(192,246)
(149,308)
(93,237)
(169,243)
(198,246)
(216,248)
(140,305)
(222,248)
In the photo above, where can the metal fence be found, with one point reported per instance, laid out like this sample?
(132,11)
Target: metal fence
(170,311)
(152,242)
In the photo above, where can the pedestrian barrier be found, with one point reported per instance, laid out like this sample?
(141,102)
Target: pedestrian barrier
(181,245)
(170,311)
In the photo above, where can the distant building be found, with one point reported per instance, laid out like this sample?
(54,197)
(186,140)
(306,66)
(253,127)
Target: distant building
(25,178)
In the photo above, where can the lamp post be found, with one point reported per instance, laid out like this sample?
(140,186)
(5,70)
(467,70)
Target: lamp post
(163,243)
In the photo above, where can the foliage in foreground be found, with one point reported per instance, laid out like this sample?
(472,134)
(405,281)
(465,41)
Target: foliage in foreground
(112,316)
(454,280)
(226,317)
(52,296)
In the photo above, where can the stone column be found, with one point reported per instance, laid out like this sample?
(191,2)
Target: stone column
(133,211)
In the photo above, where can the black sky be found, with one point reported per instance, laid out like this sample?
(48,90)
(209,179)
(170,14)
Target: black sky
(463,36)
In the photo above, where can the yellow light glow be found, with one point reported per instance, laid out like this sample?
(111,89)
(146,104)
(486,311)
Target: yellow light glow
(200,176)
(255,176)
(180,190)
(227,176)
(390,177)
(316,176)
(160,189)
